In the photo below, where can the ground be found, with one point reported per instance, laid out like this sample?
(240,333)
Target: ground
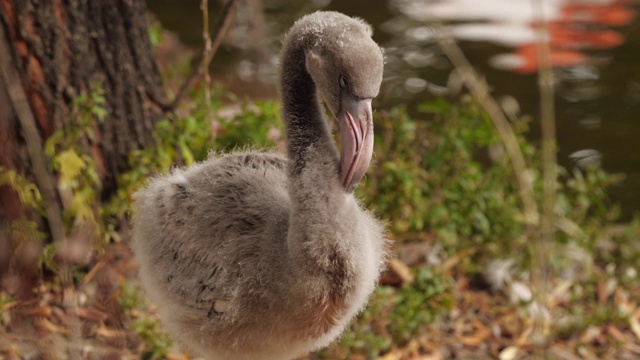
(101,317)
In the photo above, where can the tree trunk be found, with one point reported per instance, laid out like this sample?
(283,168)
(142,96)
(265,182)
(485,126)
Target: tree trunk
(59,49)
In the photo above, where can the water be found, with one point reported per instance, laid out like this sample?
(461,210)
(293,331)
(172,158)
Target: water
(595,47)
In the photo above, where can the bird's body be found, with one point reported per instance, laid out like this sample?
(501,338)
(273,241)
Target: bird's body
(252,255)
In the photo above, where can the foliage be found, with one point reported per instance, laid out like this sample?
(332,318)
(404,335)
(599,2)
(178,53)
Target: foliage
(78,179)
(27,191)
(5,301)
(256,125)
(435,175)
(188,139)
(130,299)
(395,315)
(155,33)
(441,170)
(445,171)
(21,231)
(420,303)
(78,182)
(155,342)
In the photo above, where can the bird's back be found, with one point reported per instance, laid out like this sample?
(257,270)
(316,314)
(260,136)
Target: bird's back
(205,234)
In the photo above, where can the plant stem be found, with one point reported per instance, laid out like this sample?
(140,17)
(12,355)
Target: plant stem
(204,7)
(209,50)
(549,168)
(481,94)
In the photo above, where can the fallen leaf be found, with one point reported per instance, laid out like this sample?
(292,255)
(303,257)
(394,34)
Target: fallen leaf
(60,314)
(402,270)
(616,334)
(601,290)
(105,332)
(46,325)
(44,311)
(9,305)
(509,353)
(519,292)
(559,292)
(91,314)
(590,334)
(87,278)
(481,334)
(456,258)
(635,324)
(171,356)
(392,355)
(524,338)
(433,356)
(585,353)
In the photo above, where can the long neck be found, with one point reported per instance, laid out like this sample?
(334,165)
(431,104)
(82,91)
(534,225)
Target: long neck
(316,194)
(313,157)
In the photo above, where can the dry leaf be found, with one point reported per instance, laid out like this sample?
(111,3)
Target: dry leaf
(616,334)
(46,325)
(177,357)
(87,278)
(508,353)
(559,292)
(91,314)
(392,355)
(437,355)
(455,259)
(524,338)
(105,332)
(481,334)
(61,315)
(402,270)
(635,324)
(44,311)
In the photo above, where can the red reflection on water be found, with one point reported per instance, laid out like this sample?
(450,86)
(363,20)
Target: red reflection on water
(572,28)
(563,36)
(613,14)
(573,31)
(525,59)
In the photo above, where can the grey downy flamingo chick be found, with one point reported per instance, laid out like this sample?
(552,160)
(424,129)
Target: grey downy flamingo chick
(254,255)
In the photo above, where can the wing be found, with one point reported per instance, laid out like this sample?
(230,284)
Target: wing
(206,229)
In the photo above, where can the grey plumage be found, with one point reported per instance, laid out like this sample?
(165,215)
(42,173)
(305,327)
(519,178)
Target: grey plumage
(253,255)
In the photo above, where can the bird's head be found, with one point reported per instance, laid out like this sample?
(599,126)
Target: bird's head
(346,66)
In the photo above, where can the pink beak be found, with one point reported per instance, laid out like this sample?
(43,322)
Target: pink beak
(356,134)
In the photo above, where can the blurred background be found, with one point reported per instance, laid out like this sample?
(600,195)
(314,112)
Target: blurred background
(595,51)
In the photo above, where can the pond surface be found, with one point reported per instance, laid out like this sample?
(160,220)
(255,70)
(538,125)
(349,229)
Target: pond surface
(595,48)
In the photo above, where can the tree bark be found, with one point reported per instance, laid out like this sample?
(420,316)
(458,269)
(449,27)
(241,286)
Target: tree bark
(60,49)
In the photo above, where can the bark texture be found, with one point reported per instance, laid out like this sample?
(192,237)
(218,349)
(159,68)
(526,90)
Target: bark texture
(59,49)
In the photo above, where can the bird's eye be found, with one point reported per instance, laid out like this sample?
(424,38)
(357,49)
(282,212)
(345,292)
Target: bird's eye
(343,81)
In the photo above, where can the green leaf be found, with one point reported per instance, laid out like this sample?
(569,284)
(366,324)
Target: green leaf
(52,142)
(99,112)
(187,155)
(70,164)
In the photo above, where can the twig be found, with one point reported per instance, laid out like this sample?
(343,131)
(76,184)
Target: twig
(204,7)
(209,50)
(45,181)
(479,91)
(43,177)
(541,250)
